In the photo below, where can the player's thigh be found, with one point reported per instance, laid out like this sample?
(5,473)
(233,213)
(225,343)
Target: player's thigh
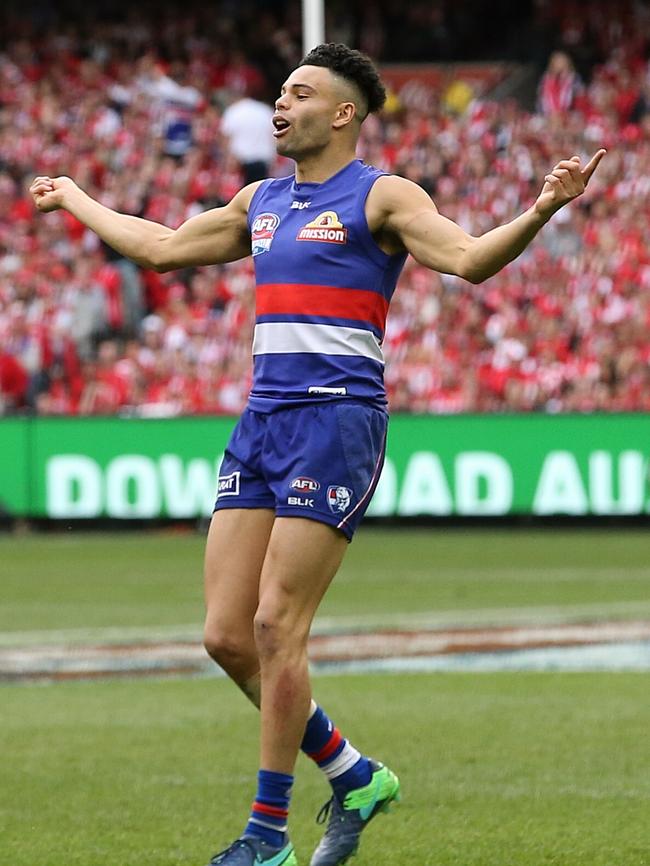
(234,555)
(302,557)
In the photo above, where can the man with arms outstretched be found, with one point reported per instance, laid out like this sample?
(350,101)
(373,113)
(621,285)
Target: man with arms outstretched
(304,459)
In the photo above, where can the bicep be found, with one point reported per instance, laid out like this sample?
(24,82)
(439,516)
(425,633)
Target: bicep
(436,242)
(216,236)
(206,239)
(432,239)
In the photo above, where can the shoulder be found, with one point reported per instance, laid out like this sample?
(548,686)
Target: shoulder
(391,190)
(235,212)
(392,195)
(272,186)
(241,201)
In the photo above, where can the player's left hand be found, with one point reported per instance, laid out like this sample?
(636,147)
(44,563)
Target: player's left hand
(567,181)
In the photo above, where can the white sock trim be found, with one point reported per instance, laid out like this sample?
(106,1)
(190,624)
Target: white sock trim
(313,706)
(269,826)
(342,763)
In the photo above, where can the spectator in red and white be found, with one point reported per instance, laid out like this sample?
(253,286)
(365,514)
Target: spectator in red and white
(562,329)
(560,85)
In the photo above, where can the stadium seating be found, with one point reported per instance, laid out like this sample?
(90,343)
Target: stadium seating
(562,329)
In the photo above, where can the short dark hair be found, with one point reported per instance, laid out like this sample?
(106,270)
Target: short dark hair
(352,65)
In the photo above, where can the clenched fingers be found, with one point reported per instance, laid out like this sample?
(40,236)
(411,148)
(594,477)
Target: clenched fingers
(41,185)
(567,177)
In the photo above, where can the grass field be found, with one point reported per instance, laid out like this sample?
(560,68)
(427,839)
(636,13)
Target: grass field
(529,769)
(498,770)
(87,581)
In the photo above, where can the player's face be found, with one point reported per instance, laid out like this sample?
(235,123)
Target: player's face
(305,111)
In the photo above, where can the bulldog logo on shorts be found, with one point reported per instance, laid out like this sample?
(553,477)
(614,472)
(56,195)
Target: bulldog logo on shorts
(338,498)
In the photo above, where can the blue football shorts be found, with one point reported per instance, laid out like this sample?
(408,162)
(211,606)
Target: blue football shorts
(318,460)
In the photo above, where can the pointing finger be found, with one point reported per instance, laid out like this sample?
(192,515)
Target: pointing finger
(592,165)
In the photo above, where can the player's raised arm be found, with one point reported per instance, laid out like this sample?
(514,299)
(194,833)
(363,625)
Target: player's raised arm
(406,212)
(213,237)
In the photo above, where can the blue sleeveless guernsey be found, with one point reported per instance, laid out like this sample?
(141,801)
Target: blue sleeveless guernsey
(323,290)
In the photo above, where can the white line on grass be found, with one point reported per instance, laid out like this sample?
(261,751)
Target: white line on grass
(625,657)
(534,647)
(617,658)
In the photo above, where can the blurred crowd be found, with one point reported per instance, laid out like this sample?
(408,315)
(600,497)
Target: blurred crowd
(164,134)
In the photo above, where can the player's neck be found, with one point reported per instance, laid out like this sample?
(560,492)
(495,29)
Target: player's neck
(320,167)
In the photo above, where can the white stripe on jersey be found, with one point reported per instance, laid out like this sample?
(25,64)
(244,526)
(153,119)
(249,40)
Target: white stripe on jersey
(279,338)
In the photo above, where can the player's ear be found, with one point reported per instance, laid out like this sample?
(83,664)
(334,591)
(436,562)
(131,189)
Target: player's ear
(345,113)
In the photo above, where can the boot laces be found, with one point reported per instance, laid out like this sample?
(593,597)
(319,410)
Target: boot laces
(332,809)
(238,843)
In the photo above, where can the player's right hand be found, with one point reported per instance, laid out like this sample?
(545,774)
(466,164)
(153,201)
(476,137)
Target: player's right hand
(48,192)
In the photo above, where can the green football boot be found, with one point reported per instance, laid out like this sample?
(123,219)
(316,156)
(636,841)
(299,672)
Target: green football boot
(250,851)
(349,818)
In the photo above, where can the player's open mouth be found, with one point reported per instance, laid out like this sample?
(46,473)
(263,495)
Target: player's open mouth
(281,126)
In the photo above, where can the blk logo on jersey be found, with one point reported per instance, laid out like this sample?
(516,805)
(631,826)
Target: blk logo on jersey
(299,205)
(325,228)
(339,498)
(305,484)
(262,231)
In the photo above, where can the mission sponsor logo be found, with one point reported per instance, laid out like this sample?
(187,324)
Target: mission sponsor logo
(304,484)
(262,232)
(326,228)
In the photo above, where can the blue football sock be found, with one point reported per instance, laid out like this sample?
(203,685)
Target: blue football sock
(270,810)
(345,767)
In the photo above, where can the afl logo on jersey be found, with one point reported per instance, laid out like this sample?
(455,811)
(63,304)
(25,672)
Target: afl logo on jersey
(262,231)
(326,227)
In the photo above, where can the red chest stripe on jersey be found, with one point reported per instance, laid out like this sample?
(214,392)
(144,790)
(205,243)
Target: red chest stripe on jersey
(296,299)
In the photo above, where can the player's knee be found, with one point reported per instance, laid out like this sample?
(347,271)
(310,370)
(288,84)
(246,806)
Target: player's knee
(275,631)
(268,635)
(226,646)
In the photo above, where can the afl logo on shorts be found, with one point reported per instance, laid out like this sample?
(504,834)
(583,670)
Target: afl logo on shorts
(262,231)
(305,484)
(339,498)
(326,227)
